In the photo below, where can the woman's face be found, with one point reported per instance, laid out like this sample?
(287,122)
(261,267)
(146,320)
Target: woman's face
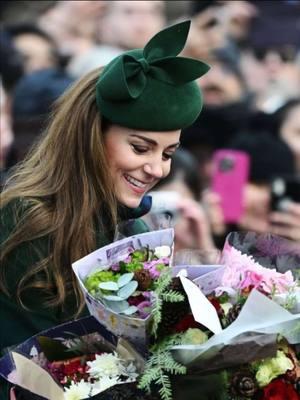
(138,160)
(256,208)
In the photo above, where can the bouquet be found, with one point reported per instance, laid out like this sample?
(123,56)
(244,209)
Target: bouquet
(237,339)
(229,331)
(119,282)
(74,361)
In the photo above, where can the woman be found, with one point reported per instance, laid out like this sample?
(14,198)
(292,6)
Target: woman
(110,140)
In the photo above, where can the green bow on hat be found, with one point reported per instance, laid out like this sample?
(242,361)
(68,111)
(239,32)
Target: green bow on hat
(152,89)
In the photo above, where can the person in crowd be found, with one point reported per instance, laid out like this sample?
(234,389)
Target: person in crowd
(11,71)
(182,197)
(207,34)
(102,151)
(74,26)
(43,81)
(270,157)
(124,25)
(226,112)
(33,99)
(287,127)
(6,132)
(37,48)
(270,66)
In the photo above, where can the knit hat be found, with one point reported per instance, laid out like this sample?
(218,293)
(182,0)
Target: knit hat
(152,89)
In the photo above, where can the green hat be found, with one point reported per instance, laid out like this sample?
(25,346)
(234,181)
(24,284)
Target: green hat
(152,89)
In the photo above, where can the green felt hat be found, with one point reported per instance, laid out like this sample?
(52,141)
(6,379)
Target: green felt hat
(152,89)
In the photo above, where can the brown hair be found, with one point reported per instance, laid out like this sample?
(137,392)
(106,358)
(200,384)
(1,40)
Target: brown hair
(64,184)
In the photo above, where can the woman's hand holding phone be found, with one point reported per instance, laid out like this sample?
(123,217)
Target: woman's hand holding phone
(193,228)
(287,223)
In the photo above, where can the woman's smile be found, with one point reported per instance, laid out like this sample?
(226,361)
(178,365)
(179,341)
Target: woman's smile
(138,160)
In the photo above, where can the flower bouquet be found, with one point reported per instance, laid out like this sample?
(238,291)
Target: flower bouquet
(213,332)
(119,282)
(234,335)
(76,360)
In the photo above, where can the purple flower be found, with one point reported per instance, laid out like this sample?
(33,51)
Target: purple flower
(144,308)
(115,267)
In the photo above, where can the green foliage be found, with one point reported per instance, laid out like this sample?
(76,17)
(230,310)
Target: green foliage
(156,315)
(55,350)
(172,296)
(157,371)
(160,366)
(162,293)
(133,266)
(97,277)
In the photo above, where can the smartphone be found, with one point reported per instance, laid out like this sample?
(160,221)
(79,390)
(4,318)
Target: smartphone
(284,189)
(229,176)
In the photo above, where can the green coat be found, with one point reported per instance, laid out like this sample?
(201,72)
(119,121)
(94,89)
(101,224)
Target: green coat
(17,323)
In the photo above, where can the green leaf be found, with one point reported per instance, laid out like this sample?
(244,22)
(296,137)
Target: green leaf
(55,350)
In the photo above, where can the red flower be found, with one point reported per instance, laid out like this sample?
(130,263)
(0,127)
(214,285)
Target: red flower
(279,390)
(186,323)
(216,303)
(72,366)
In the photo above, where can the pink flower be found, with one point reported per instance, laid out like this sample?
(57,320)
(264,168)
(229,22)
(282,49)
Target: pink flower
(242,271)
(251,278)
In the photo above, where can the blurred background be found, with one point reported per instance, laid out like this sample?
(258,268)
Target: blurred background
(239,165)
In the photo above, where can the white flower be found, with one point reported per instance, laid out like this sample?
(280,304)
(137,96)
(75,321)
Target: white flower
(77,391)
(162,251)
(103,384)
(130,371)
(106,364)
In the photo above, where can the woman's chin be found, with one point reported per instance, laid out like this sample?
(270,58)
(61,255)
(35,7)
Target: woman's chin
(130,202)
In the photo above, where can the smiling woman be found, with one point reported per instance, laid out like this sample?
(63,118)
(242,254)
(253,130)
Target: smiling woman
(111,138)
(138,160)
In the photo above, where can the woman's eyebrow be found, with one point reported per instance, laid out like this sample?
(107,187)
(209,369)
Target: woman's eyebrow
(153,142)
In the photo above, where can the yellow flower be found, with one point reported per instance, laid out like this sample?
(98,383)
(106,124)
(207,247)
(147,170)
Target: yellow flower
(270,368)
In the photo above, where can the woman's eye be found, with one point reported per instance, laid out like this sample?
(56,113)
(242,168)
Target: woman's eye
(139,149)
(167,156)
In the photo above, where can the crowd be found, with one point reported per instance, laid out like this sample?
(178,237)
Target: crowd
(251,94)
(75,139)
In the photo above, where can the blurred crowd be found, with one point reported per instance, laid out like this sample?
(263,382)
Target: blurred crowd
(251,97)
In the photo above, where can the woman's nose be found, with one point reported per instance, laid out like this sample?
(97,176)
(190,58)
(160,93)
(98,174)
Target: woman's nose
(155,169)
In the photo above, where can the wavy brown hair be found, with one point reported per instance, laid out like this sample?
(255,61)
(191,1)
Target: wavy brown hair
(64,183)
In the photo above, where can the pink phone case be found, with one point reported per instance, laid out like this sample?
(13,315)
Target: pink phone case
(230,174)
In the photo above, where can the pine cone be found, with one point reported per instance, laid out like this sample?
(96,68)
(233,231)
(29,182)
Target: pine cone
(233,313)
(143,278)
(243,384)
(172,313)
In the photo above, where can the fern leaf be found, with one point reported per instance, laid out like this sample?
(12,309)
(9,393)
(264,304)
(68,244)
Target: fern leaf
(165,391)
(172,296)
